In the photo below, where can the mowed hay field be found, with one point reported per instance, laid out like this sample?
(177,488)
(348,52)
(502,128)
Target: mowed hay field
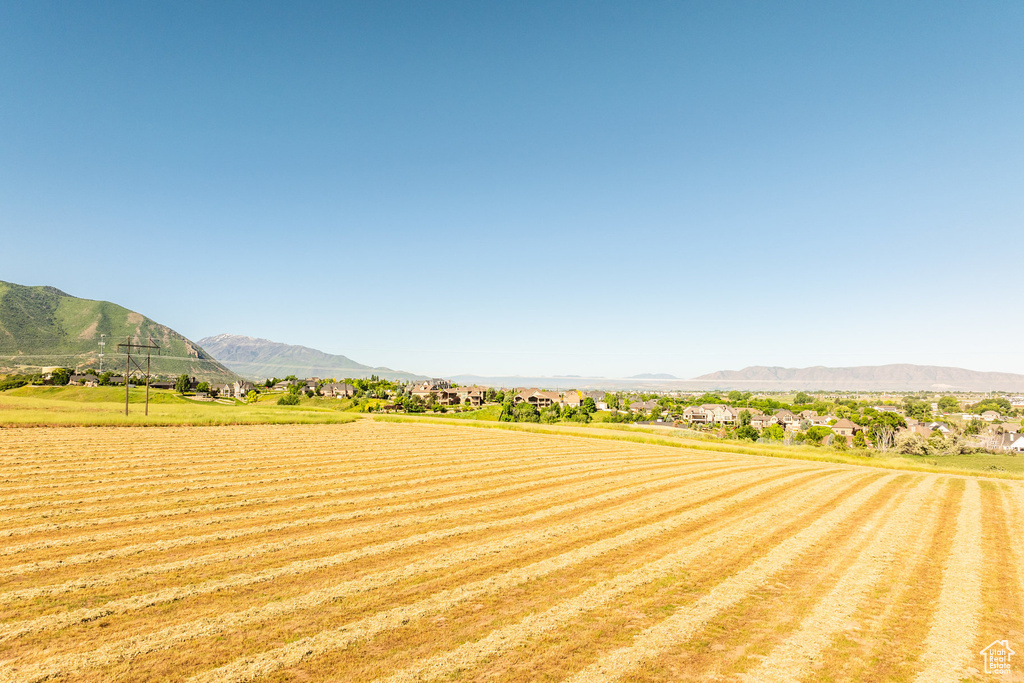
(395,552)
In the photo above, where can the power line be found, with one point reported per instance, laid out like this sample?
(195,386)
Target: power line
(128,346)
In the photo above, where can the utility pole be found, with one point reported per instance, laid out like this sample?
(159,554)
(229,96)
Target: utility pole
(103,342)
(128,346)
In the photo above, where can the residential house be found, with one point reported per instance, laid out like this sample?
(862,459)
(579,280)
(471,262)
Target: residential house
(725,414)
(599,401)
(89,380)
(923,430)
(710,413)
(456,396)
(820,420)
(946,431)
(1004,442)
(424,390)
(338,390)
(572,399)
(241,388)
(787,419)
(476,395)
(540,399)
(432,386)
(697,415)
(990,416)
(643,406)
(845,427)
(808,414)
(763,421)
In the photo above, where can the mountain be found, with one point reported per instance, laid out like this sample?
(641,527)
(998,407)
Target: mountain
(900,377)
(262,358)
(45,327)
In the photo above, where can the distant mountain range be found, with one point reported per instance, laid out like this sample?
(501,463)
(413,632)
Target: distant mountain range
(899,377)
(903,377)
(43,327)
(261,358)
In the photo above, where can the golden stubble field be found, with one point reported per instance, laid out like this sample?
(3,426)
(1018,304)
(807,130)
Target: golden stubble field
(408,552)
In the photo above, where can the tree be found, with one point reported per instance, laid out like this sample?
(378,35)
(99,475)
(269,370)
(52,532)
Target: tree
(588,406)
(289,399)
(735,396)
(948,404)
(816,434)
(506,412)
(61,376)
(251,397)
(549,416)
(884,436)
(579,416)
(183,384)
(203,386)
(919,410)
(526,412)
(1000,405)
(859,440)
(747,432)
(774,432)
(802,399)
(745,418)
(839,442)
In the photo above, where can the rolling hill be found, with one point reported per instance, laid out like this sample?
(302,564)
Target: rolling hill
(261,358)
(45,327)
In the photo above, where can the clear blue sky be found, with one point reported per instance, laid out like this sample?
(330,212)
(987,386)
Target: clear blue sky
(530,188)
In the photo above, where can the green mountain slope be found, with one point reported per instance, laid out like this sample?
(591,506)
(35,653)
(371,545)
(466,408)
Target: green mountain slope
(45,327)
(261,358)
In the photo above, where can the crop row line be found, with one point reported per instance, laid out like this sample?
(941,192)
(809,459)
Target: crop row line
(333,640)
(132,647)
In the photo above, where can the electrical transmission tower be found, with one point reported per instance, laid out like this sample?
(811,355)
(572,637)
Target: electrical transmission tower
(138,348)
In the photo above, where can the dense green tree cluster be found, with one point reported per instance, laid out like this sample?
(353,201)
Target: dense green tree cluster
(183,383)
(1000,405)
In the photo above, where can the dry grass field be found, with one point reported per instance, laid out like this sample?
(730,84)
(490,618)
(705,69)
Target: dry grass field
(395,552)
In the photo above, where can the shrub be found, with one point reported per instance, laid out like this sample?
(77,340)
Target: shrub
(911,443)
(747,432)
(288,400)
